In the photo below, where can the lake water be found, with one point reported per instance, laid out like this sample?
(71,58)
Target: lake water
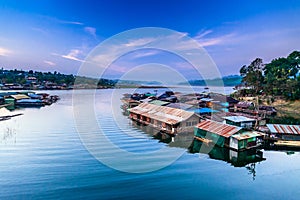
(42,156)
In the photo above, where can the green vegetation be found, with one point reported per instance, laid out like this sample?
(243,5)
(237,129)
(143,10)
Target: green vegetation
(9,79)
(279,78)
(22,77)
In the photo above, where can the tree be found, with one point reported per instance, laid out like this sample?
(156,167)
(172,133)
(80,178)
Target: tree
(253,75)
(281,76)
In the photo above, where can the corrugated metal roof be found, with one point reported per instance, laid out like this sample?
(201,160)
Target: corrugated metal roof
(162,113)
(182,106)
(20,96)
(218,128)
(247,135)
(206,99)
(284,129)
(239,119)
(244,104)
(159,103)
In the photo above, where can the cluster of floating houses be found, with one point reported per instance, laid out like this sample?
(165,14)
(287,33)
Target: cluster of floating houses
(14,100)
(214,118)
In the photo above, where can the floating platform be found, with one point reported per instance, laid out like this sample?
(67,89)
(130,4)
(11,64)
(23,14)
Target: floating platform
(285,143)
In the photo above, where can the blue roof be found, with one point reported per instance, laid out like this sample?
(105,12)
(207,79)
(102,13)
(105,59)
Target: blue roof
(29,101)
(204,110)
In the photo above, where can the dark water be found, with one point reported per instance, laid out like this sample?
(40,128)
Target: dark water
(42,157)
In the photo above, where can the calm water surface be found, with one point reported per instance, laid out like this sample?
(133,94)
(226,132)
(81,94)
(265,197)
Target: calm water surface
(42,157)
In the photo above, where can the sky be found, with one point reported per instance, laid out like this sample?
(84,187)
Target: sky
(52,35)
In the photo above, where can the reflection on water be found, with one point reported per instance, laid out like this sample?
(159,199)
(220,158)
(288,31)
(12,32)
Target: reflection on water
(9,134)
(246,158)
(237,159)
(42,157)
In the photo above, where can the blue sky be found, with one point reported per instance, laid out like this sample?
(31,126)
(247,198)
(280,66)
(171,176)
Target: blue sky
(57,35)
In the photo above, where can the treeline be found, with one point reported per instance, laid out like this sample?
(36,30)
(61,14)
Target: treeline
(280,77)
(22,77)
(30,77)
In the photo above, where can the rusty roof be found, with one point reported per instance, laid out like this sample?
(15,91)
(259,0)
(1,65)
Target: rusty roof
(284,129)
(162,113)
(218,128)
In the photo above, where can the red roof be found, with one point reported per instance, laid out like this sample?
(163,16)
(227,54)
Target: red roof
(218,128)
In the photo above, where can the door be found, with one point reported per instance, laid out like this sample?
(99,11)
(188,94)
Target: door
(233,143)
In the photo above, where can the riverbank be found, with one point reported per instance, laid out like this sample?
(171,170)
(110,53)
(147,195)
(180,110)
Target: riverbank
(287,112)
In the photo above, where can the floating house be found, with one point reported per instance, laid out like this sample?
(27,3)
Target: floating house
(225,135)
(170,120)
(240,121)
(206,102)
(29,103)
(5,114)
(242,105)
(285,132)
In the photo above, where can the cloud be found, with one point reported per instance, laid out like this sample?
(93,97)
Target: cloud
(4,52)
(213,41)
(145,54)
(70,22)
(202,33)
(139,42)
(49,63)
(179,45)
(73,55)
(90,30)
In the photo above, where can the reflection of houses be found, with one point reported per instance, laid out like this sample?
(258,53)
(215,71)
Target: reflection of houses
(237,159)
(285,132)
(170,120)
(240,121)
(225,135)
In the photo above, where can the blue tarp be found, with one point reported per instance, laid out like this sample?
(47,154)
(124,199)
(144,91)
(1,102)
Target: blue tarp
(204,110)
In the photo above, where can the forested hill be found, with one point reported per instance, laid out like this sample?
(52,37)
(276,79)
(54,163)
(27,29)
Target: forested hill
(232,80)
